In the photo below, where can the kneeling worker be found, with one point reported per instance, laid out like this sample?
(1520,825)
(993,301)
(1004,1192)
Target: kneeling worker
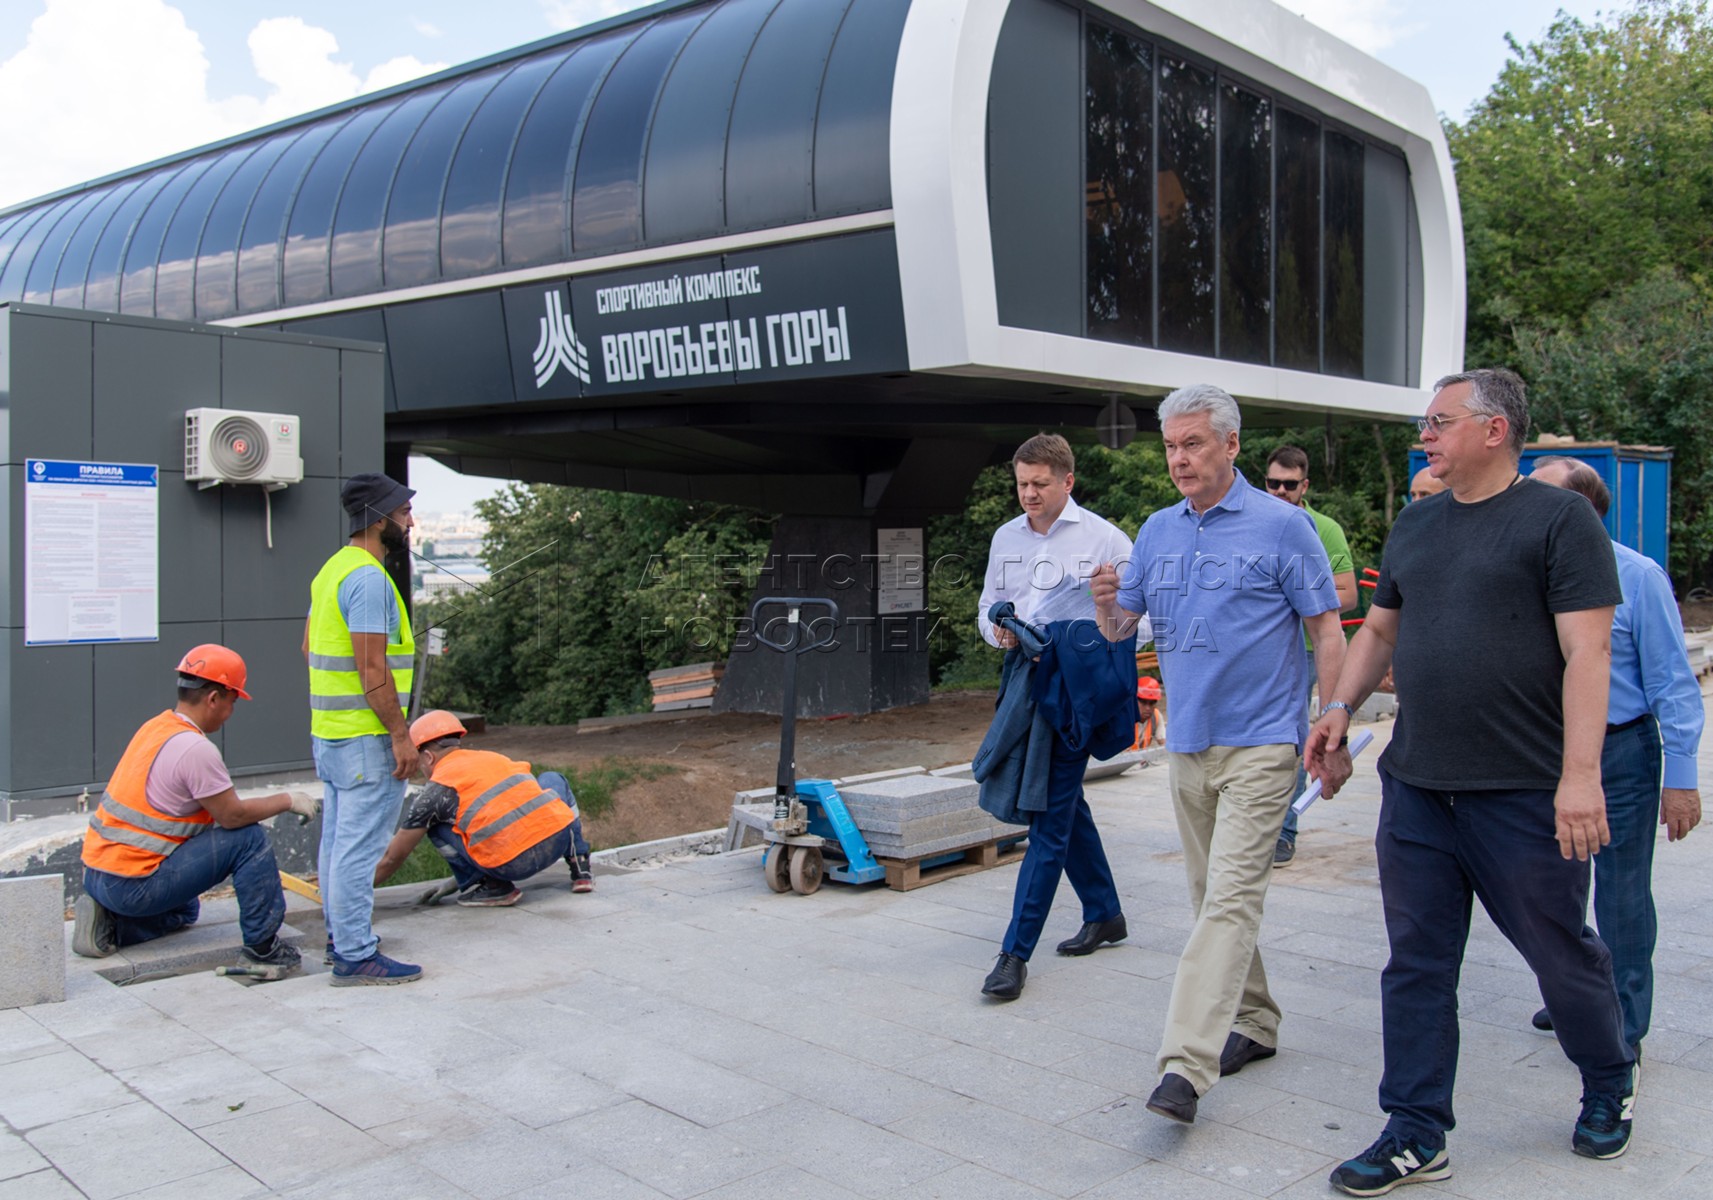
(491,819)
(170,826)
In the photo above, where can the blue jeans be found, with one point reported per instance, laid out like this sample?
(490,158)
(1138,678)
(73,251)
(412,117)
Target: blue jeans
(146,907)
(1062,840)
(1437,850)
(1630,771)
(359,811)
(1289,832)
(466,871)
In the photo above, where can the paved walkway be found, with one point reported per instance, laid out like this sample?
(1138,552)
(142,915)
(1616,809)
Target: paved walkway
(683,1032)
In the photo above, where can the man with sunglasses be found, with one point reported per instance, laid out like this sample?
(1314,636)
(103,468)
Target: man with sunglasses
(1288,478)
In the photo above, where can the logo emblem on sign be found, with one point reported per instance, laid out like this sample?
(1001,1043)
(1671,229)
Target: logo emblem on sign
(41,468)
(559,346)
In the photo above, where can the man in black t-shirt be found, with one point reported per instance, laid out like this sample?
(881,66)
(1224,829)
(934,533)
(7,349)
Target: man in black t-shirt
(1494,609)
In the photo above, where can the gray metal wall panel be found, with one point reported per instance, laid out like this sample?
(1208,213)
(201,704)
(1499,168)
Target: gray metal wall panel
(1034,144)
(52,725)
(12,522)
(145,378)
(360,434)
(268,376)
(259,583)
(135,681)
(1385,269)
(450,353)
(189,549)
(273,728)
(48,389)
(365,326)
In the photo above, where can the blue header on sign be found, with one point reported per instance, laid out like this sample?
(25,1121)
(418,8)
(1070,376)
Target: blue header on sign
(41,470)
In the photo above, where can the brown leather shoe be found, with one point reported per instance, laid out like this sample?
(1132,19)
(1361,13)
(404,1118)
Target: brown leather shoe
(1175,1099)
(1240,1051)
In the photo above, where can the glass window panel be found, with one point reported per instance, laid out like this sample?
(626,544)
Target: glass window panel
(24,252)
(410,250)
(356,256)
(1343,243)
(606,202)
(1185,206)
(853,126)
(217,256)
(1119,191)
(264,226)
(535,229)
(39,283)
(684,193)
(309,230)
(137,281)
(74,263)
(1245,224)
(1296,270)
(101,293)
(470,212)
(175,276)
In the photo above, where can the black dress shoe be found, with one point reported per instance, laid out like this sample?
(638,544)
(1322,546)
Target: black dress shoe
(1005,981)
(1095,934)
(1174,1098)
(1542,1021)
(1240,1051)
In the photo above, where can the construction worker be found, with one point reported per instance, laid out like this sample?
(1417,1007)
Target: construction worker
(360,652)
(170,826)
(1150,721)
(491,819)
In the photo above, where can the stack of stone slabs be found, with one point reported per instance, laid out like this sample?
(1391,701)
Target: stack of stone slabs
(918,815)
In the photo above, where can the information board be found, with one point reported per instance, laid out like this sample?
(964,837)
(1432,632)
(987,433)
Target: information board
(91,552)
(903,579)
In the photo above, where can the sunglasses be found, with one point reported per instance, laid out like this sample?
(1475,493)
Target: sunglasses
(1284,485)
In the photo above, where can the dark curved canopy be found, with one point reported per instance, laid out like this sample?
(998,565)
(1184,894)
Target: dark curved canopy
(687,121)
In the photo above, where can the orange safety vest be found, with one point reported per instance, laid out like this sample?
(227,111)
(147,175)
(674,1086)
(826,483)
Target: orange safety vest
(128,835)
(1147,731)
(502,810)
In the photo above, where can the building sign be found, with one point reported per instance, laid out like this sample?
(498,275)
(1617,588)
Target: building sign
(91,552)
(903,577)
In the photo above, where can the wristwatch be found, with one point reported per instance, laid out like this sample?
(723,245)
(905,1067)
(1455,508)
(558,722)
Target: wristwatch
(1338,704)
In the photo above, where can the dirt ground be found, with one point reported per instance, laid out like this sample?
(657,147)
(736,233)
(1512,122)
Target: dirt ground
(717,755)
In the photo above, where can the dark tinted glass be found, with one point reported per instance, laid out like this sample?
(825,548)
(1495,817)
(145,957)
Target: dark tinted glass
(24,252)
(264,227)
(1296,271)
(74,263)
(217,257)
(1186,206)
(769,154)
(12,231)
(309,230)
(39,283)
(1245,224)
(684,192)
(853,145)
(175,275)
(1119,197)
(1344,196)
(101,293)
(470,212)
(137,283)
(606,202)
(411,250)
(357,225)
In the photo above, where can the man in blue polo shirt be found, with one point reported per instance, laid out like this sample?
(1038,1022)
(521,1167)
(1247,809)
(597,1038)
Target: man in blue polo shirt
(1228,581)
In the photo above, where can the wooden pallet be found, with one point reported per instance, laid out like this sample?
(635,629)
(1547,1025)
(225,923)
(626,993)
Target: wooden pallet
(908,874)
(685,687)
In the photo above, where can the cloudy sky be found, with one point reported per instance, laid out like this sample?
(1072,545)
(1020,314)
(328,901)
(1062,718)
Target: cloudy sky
(93,86)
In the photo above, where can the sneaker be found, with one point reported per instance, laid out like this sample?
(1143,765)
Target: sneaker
(490,893)
(1390,1162)
(582,878)
(375,971)
(328,957)
(94,932)
(1603,1129)
(278,959)
(1284,852)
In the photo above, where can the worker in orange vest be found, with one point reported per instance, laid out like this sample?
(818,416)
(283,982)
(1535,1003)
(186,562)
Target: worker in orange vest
(170,826)
(1150,721)
(491,819)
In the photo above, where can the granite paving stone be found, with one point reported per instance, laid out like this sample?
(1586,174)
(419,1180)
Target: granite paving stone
(1057,1160)
(56,1087)
(285,1146)
(222,1183)
(83,1150)
(663,1150)
(203,1089)
(18,1157)
(864,1158)
(40,1185)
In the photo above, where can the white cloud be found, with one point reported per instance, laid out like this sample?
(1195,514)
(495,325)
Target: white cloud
(1369,25)
(570,14)
(109,84)
(426,29)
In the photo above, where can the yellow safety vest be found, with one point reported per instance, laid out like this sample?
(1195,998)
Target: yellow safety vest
(337,705)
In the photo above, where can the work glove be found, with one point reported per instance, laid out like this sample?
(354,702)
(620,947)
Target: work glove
(305,805)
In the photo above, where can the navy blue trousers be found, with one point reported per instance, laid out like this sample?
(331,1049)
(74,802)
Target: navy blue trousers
(1062,841)
(1436,851)
(562,845)
(146,907)
(1630,772)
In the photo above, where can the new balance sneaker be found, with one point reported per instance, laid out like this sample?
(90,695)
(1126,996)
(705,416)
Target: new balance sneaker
(1603,1128)
(277,959)
(375,971)
(94,932)
(1390,1162)
(490,893)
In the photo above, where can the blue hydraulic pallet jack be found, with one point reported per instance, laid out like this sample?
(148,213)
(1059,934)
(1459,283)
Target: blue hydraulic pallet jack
(808,816)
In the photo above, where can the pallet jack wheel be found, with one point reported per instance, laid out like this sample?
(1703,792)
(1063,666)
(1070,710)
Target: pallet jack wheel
(775,867)
(807,869)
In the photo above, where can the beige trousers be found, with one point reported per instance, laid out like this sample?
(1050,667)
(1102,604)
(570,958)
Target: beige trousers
(1230,802)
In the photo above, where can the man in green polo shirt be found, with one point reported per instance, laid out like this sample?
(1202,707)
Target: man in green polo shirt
(1288,479)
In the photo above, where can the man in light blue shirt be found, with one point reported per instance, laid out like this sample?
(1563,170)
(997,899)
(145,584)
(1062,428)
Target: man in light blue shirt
(1655,699)
(1228,580)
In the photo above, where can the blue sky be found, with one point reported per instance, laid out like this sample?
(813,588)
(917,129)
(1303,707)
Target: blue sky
(108,84)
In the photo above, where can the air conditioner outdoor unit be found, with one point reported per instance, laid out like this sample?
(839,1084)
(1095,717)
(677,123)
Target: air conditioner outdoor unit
(224,445)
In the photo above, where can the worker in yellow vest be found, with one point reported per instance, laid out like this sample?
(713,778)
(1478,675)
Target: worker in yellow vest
(492,820)
(170,826)
(360,653)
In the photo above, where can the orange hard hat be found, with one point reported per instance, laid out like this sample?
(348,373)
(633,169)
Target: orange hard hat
(215,664)
(1147,688)
(431,726)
